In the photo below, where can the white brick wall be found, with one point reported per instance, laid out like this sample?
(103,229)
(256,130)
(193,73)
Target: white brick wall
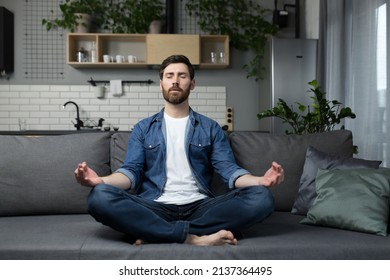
(41,105)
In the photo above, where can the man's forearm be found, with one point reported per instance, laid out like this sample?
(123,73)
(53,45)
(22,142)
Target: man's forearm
(118,180)
(248,180)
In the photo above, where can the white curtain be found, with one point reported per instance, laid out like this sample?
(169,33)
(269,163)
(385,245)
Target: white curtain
(354,70)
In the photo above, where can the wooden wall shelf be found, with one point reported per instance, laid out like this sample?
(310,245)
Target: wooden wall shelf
(150,49)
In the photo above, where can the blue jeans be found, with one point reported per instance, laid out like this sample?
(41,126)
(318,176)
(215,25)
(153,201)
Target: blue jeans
(156,222)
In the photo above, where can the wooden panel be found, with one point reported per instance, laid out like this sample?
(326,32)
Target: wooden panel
(160,46)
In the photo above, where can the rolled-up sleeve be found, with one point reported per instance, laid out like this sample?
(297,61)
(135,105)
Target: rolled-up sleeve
(133,164)
(128,174)
(238,173)
(224,161)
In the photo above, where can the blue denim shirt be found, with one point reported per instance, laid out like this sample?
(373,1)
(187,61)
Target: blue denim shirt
(207,149)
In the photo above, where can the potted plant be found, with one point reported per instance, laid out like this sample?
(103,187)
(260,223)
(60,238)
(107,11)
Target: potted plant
(116,16)
(77,15)
(322,115)
(131,16)
(245,21)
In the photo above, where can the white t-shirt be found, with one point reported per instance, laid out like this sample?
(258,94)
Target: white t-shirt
(180,187)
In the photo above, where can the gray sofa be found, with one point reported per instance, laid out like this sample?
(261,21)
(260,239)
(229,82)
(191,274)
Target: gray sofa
(43,212)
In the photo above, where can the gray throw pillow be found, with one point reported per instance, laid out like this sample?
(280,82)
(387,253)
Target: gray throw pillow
(354,199)
(315,160)
(37,173)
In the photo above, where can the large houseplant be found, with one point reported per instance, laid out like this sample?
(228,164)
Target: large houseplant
(72,14)
(131,16)
(116,16)
(245,21)
(322,115)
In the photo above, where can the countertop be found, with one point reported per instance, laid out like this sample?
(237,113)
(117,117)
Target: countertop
(52,132)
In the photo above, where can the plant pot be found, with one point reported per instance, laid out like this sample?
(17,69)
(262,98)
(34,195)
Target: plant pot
(155,27)
(83,23)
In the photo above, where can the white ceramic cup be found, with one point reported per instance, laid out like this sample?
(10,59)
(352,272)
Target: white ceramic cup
(106,58)
(99,91)
(132,58)
(120,58)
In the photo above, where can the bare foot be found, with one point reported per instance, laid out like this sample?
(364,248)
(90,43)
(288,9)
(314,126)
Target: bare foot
(221,237)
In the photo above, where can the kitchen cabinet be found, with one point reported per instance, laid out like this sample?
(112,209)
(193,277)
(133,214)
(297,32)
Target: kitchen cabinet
(149,49)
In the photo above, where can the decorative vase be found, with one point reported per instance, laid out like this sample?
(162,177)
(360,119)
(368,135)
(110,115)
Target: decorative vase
(83,23)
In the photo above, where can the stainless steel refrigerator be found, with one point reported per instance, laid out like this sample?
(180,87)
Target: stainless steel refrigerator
(291,66)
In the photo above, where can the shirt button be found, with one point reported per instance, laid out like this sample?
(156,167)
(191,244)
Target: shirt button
(150,146)
(200,145)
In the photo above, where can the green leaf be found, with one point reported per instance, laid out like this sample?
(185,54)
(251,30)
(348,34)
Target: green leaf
(320,116)
(246,23)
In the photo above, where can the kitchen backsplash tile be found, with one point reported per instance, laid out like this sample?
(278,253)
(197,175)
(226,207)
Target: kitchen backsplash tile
(41,105)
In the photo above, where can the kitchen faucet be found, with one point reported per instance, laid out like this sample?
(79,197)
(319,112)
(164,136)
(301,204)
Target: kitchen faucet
(79,122)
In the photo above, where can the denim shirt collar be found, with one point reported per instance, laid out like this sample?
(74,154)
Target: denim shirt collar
(159,117)
(192,120)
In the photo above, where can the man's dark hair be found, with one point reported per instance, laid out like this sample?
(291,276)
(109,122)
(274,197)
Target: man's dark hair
(177,59)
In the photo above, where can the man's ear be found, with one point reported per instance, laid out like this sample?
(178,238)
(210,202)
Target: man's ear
(192,84)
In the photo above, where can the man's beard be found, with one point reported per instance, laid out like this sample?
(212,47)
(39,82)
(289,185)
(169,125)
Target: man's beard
(178,96)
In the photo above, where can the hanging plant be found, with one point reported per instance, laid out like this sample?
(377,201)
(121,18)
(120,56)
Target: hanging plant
(245,21)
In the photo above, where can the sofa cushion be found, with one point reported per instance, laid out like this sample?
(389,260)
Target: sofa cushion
(46,237)
(37,173)
(279,237)
(355,199)
(255,152)
(119,141)
(315,160)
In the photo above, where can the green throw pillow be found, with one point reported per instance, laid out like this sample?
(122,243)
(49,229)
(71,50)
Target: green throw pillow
(315,159)
(355,199)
